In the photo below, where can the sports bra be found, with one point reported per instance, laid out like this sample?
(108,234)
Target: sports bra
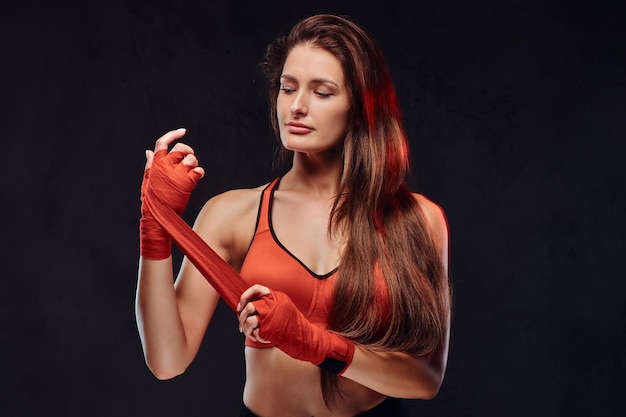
(271,264)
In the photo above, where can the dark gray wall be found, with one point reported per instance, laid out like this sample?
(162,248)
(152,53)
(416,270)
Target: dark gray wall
(516,117)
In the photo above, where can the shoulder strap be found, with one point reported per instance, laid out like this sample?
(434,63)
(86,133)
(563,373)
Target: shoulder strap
(264,207)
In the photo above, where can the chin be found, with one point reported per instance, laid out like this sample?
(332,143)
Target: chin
(306,146)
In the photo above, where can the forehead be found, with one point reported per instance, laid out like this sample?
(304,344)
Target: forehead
(306,62)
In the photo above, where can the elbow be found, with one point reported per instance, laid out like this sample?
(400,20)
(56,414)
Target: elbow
(429,381)
(164,375)
(419,388)
(164,372)
(429,389)
(429,393)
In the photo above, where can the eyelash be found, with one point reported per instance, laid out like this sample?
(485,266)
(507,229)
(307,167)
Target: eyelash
(287,90)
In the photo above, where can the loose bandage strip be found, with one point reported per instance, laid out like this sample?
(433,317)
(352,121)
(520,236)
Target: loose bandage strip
(223,277)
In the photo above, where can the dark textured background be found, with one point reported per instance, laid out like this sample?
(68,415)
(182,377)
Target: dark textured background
(516,114)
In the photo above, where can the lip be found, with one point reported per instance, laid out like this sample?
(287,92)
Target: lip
(298,128)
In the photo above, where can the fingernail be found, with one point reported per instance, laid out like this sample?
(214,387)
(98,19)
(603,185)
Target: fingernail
(238,307)
(181,129)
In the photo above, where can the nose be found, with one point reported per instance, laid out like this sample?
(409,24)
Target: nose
(299,104)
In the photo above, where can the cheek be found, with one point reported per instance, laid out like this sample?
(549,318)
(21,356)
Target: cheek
(338,123)
(279,109)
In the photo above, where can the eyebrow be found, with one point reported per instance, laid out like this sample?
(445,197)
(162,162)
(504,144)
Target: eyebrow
(314,81)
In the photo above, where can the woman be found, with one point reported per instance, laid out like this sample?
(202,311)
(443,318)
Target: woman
(347,302)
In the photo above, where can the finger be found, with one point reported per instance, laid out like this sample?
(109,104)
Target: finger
(164,141)
(188,166)
(249,325)
(179,152)
(175,157)
(183,148)
(258,338)
(248,311)
(253,293)
(197,173)
(149,158)
(189,160)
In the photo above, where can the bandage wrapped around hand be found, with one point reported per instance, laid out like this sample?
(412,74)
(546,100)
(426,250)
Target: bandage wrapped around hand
(281,323)
(173,182)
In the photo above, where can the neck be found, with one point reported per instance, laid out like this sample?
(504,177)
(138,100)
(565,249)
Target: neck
(317,173)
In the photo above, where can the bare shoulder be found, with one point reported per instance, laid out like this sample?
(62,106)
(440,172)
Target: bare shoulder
(433,212)
(436,218)
(227,222)
(231,204)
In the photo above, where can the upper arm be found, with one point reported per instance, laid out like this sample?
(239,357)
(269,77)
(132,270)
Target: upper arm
(437,225)
(226,222)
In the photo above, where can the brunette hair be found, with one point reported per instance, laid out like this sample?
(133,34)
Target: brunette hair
(385,227)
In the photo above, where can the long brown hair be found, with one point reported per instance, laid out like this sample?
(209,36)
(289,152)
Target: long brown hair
(384,225)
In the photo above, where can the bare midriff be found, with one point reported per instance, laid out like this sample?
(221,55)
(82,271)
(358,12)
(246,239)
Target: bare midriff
(278,385)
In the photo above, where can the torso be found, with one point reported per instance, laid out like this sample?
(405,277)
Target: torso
(276,384)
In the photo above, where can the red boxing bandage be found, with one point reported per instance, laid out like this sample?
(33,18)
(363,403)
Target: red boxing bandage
(285,326)
(174,182)
(164,198)
(154,241)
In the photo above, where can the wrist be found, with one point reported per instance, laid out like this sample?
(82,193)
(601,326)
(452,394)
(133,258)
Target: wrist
(154,242)
(339,354)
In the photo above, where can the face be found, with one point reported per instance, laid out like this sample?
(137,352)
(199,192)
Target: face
(312,105)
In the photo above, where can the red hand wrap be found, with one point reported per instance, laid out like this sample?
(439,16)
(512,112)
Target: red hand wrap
(154,241)
(175,182)
(285,326)
(165,196)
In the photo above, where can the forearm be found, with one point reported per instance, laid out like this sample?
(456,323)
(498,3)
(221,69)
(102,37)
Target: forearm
(397,374)
(158,319)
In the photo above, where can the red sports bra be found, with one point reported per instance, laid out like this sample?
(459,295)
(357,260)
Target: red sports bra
(269,263)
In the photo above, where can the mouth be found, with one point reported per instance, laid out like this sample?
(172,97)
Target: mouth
(298,128)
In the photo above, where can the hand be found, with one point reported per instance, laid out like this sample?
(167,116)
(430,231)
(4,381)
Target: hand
(269,316)
(170,177)
(248,318)
(162,144)
(176,172)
